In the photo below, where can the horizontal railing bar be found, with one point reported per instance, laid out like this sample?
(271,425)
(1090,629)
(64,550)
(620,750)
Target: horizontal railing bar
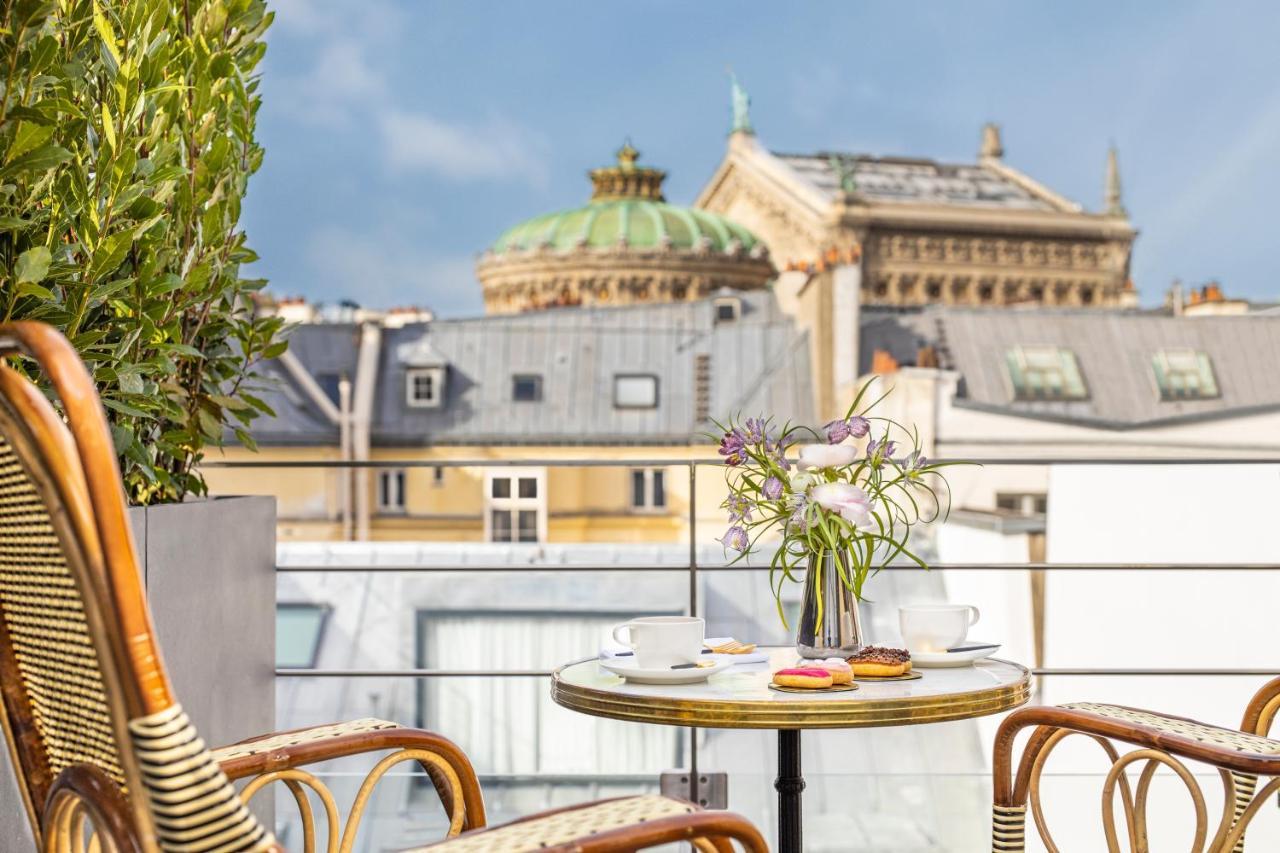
(1208,671)
(663,461)
(546,673)
(414,673)
(741,567)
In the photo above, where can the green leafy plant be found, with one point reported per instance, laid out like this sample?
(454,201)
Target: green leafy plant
(126,146)
(858,504)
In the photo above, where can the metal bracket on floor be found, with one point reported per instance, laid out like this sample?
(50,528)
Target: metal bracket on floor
(713,788)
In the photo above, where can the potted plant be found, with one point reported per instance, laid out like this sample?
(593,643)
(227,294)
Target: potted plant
(126,145)
(839,511)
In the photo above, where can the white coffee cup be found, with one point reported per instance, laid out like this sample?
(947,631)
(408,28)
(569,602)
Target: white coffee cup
(936,627)
(663,641)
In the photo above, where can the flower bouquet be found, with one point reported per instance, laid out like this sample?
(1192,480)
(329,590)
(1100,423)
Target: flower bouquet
(842,514)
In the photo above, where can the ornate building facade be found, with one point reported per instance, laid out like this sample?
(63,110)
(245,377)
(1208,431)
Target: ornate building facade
(925,232)
(626,246)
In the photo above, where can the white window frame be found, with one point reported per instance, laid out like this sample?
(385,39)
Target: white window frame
(514,504)
(731,302)
(437,376)
(391,480)
(648,504)
(657,391)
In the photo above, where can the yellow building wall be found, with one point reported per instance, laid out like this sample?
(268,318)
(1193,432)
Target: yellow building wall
(582,504)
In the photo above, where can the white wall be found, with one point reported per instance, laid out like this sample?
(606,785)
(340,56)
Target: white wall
(1184,619)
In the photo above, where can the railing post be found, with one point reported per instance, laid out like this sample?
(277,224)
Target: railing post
(693,611)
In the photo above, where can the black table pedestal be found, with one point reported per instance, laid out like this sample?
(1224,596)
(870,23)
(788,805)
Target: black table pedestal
(789,785)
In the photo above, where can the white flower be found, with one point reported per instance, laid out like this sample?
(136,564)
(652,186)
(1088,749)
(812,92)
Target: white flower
(847,499)
(801,481)
(826,455)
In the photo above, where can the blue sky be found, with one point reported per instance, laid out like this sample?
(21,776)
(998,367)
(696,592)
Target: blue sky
(403,136)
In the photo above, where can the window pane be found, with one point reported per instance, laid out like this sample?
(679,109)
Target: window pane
(637,489)
(526,388)
(528,487)
(528,525)
(500,525)
(635,392)
(501,487)
(659,488)
(298,628)
(1183,374)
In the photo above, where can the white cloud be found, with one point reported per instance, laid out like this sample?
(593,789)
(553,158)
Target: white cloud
(337,90)
(384,269)
(417,142)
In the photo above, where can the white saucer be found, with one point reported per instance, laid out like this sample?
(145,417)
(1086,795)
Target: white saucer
(627,668)
(944,660)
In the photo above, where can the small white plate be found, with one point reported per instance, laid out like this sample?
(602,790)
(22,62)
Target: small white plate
(944,660)
(627,668)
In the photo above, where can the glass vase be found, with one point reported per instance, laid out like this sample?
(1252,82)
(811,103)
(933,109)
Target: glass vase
(836,631)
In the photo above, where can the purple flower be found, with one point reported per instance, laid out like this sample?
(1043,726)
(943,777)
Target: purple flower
(755,430)
(772,489)
(913,464)
(739,508)
(776,450)
(735,537)
(797,523)
(733,447)
(879,451)
(856,426)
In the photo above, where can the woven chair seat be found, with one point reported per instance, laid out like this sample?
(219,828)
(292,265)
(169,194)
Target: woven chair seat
(297,738)
(564,827)
(1228,738)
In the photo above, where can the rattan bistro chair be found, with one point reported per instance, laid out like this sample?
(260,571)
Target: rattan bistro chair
(1240,756)
(102,749)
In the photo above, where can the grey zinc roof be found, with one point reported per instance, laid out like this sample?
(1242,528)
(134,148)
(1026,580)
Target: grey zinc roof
(1114,351)
(901,179)
(758,364)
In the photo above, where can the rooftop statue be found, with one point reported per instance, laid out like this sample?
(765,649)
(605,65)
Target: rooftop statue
(741,107)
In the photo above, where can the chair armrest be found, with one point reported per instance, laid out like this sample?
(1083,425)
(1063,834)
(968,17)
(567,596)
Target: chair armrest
(1262,709)
(300,747)
(1242,758)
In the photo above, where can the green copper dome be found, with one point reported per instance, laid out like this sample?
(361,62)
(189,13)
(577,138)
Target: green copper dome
(627,210)
(638,224)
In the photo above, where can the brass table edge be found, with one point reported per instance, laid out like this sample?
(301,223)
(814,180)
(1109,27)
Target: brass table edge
(766,714)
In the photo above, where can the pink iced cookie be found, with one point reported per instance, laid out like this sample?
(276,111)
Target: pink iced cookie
(810,676)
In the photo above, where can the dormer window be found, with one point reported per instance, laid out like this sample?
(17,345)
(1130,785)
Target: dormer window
(728,308)
(1045,373)
(1184,374)
(635,391)
(424,387)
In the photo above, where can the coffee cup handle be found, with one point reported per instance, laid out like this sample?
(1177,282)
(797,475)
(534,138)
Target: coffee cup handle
(974,615)
(619,640)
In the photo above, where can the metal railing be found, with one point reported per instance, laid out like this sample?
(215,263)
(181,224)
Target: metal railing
(694,567)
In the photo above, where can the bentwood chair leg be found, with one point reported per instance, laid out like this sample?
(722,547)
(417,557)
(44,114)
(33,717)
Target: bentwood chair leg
(1244,788)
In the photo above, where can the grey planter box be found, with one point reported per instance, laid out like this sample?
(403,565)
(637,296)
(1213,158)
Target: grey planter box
(209,570)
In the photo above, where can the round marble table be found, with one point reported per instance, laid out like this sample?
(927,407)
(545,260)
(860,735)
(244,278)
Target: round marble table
(740,698)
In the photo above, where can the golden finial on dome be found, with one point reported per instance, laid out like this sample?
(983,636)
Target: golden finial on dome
(627,155)
(627,180)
